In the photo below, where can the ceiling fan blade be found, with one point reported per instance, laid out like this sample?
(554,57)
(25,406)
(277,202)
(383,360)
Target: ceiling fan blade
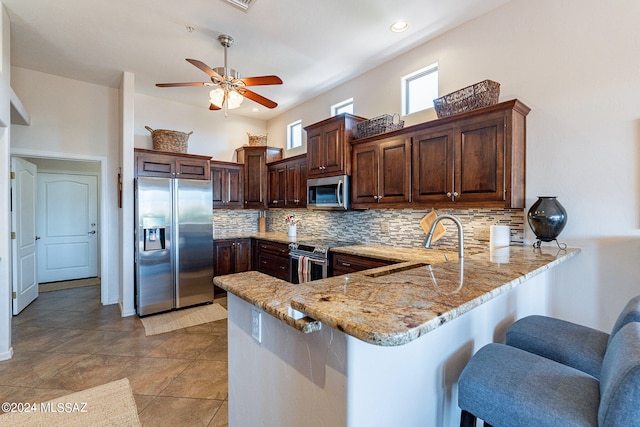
(213,107)
(182,84)
(204,67)
(262,80)
(258,98)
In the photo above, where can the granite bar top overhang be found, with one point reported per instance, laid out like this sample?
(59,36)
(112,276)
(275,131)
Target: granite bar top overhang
(394,309)
(393,305)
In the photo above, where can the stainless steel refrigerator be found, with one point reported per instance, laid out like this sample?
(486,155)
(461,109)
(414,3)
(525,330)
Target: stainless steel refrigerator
(174,244)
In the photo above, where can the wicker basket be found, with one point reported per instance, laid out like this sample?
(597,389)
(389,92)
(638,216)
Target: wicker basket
(378,125)
(169,140)
(257,139)
(482,94)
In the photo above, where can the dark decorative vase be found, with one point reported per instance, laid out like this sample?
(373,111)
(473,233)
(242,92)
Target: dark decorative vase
(547,218)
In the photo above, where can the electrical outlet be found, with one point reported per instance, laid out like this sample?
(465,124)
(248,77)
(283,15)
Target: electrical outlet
(384,227)
(256,325)
(481,234)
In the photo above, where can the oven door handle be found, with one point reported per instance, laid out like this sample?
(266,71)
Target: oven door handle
(311,259)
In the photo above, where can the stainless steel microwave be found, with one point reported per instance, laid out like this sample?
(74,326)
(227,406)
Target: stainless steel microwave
(331,193)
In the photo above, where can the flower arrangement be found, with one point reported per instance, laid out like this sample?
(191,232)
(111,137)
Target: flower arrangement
(292,220)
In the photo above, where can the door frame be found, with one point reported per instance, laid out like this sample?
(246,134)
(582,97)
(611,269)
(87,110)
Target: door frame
(105,229)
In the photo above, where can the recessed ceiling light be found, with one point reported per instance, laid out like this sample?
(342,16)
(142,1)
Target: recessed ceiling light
(255,110)
(399,26)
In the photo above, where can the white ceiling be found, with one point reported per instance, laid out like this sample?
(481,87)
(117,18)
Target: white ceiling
(312,45)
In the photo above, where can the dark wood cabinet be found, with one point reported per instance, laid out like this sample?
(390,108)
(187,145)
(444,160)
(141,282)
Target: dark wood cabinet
(171,165)
(231,256)
(346,263)
(381,172)
(271,258)
(277,185)
(328,145)
(475,160)
(296,175)
(288,182)
(227,181)
(256,177)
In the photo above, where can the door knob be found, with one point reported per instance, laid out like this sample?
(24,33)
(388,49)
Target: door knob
(92,232)
(37,237)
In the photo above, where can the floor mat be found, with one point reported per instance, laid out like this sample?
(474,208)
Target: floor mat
(166,322)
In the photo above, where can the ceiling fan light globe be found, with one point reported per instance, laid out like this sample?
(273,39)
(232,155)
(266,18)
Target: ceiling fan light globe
(216,97)
(234,100)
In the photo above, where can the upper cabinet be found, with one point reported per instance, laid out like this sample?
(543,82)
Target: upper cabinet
(328,147)
(471,159)
(381,172)
(256,178)
(227,180)
(296,175)
(288,182)
(171,165)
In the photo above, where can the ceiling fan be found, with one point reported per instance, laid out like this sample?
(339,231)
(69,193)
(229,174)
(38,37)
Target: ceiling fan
(231,89)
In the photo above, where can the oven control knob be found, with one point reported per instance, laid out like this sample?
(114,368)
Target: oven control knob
(293,246)
(320,251)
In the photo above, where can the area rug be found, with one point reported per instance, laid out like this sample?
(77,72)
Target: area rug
(110,404)
(167,322)
(68,284)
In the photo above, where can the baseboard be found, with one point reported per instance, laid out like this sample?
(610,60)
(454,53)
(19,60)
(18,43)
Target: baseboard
(7,354)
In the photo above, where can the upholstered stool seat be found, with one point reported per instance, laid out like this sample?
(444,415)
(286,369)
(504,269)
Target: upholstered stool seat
(571,344)
(507,386)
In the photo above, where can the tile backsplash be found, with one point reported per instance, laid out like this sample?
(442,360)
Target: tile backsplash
(396,227)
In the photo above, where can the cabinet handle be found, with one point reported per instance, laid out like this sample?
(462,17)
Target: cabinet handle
(263,247)
(264,262)
(346,264)
(379,198)
(448,193)
(282,267)
(455,194)
(375,197)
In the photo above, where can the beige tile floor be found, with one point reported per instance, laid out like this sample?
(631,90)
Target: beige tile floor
(67,341)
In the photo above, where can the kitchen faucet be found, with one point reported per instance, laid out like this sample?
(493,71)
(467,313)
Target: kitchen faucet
(460,233)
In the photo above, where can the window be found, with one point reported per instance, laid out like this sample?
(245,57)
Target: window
(419,89)
(345,106)
(294,135)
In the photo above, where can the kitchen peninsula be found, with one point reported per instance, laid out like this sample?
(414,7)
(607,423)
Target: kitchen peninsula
(375,348)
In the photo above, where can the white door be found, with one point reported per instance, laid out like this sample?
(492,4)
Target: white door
(23,228)
(67,226)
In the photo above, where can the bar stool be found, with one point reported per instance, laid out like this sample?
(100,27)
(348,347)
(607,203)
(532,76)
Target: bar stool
(507,386)
(568,343)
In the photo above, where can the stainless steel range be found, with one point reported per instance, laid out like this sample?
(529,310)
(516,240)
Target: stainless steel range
(309,259)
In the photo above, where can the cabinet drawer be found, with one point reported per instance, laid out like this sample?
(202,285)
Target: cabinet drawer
(344,264)
(273,247)
(273,265)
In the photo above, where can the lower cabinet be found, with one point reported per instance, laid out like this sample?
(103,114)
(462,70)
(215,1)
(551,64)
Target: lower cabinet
(344,263)
(231,256)
(271,258)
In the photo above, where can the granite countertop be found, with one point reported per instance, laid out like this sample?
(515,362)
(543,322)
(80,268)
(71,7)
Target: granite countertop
(269,294)
(397,308)
(395,304)
(398,254)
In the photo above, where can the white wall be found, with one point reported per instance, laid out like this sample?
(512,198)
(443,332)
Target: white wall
(6,350)
(573,63)
(213,134)
(74,120)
